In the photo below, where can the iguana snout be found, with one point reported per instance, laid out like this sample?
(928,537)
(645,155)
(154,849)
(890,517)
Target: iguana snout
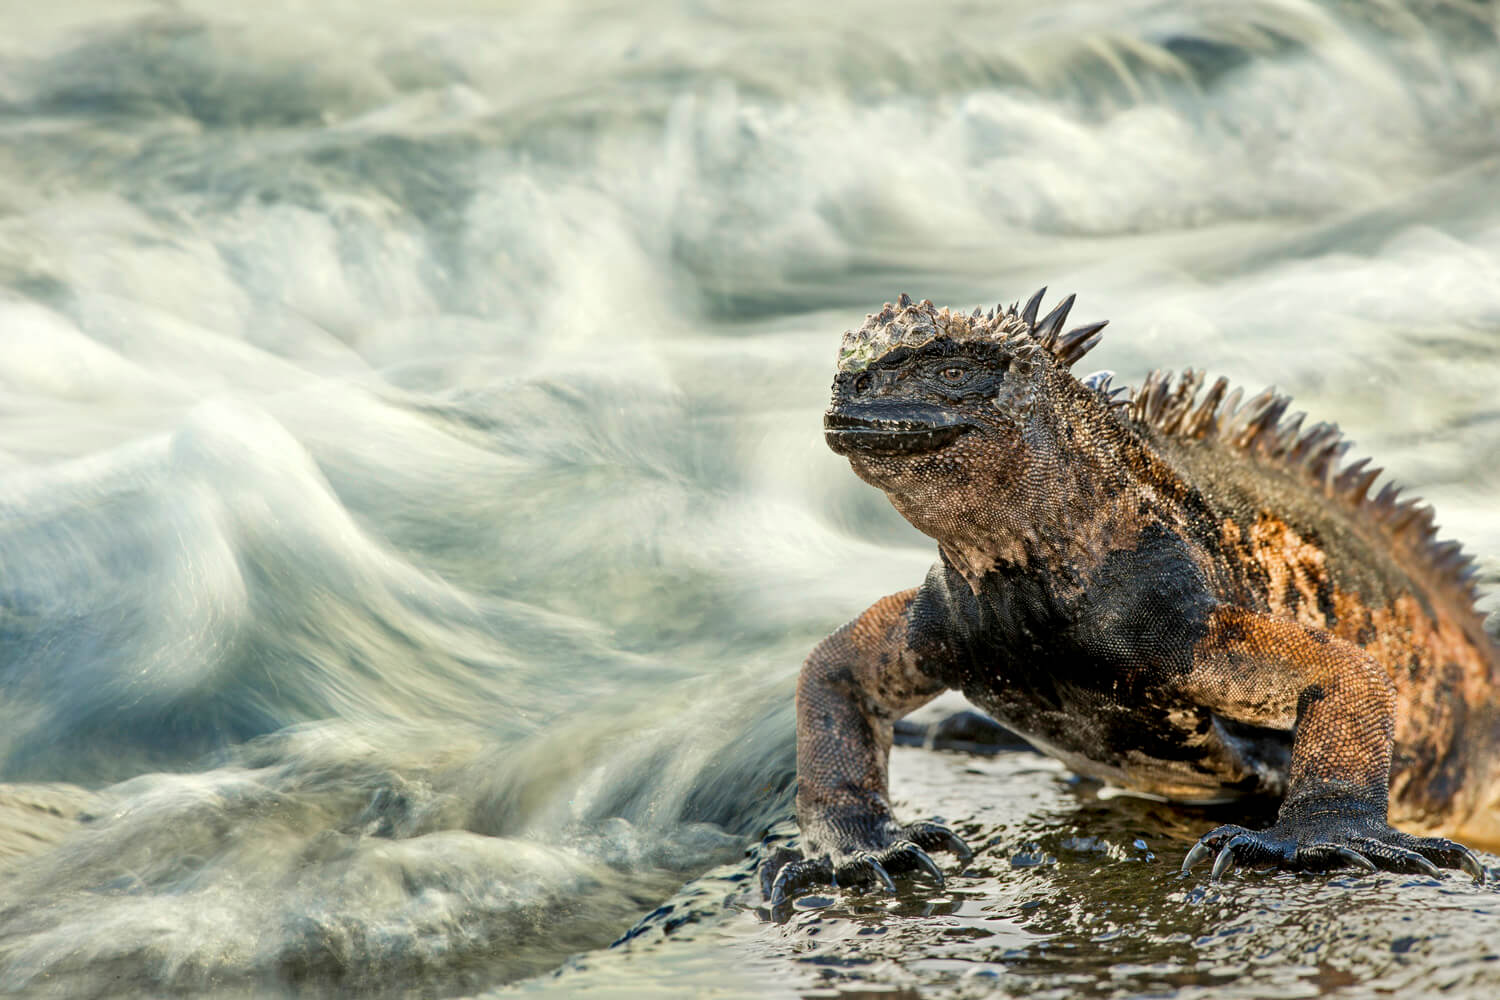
(886,428)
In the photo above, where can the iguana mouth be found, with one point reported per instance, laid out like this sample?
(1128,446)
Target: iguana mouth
(890,429)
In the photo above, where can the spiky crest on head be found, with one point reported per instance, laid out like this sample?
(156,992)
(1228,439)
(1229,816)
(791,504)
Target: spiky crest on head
(905,323)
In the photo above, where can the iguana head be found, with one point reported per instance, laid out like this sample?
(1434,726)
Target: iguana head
(939,408)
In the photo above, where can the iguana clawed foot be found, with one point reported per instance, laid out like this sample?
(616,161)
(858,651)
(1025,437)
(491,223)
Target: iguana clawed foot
(1320,843)
(787,873)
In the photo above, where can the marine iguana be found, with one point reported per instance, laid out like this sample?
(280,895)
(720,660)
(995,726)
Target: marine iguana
(1168,589)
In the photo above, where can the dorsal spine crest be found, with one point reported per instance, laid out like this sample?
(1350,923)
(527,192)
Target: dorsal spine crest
(1173,407)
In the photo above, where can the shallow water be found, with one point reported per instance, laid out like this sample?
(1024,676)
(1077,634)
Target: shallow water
(413,509)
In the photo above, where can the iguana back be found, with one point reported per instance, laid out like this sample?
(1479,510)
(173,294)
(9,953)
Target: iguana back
(1301,537)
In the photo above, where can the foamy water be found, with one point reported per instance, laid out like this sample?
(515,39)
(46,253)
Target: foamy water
(413,508)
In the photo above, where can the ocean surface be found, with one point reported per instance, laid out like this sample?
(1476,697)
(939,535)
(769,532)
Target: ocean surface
(413,503)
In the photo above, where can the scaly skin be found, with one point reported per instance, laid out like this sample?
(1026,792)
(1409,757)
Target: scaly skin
(1174,593)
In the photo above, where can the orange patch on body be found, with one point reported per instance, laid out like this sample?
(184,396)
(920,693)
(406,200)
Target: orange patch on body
(1291,565)
(1446,684)
(1443,688)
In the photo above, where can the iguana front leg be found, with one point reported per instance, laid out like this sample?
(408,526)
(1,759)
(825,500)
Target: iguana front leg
(1269,671)
(853,688)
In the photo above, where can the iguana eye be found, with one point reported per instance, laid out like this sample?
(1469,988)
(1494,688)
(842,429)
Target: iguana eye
(862,383)
(953,374)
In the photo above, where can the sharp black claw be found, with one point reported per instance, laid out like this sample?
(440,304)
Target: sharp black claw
(1359,843)
(881,875)
(954,845)
(926,863)
(1356,859)
(939,838)
(1197,854)
(774,866)
(1225,860)
(1413,858)
(796,876)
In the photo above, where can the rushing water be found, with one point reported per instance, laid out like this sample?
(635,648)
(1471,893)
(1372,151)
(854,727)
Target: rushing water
(413,508)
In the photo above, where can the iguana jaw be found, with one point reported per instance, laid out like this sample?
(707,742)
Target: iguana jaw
(905,428)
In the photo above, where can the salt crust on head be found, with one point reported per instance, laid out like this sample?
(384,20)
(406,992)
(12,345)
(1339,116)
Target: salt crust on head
(908,324)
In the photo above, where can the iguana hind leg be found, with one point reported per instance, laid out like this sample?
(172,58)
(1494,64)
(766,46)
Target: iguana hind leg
(1264,670)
